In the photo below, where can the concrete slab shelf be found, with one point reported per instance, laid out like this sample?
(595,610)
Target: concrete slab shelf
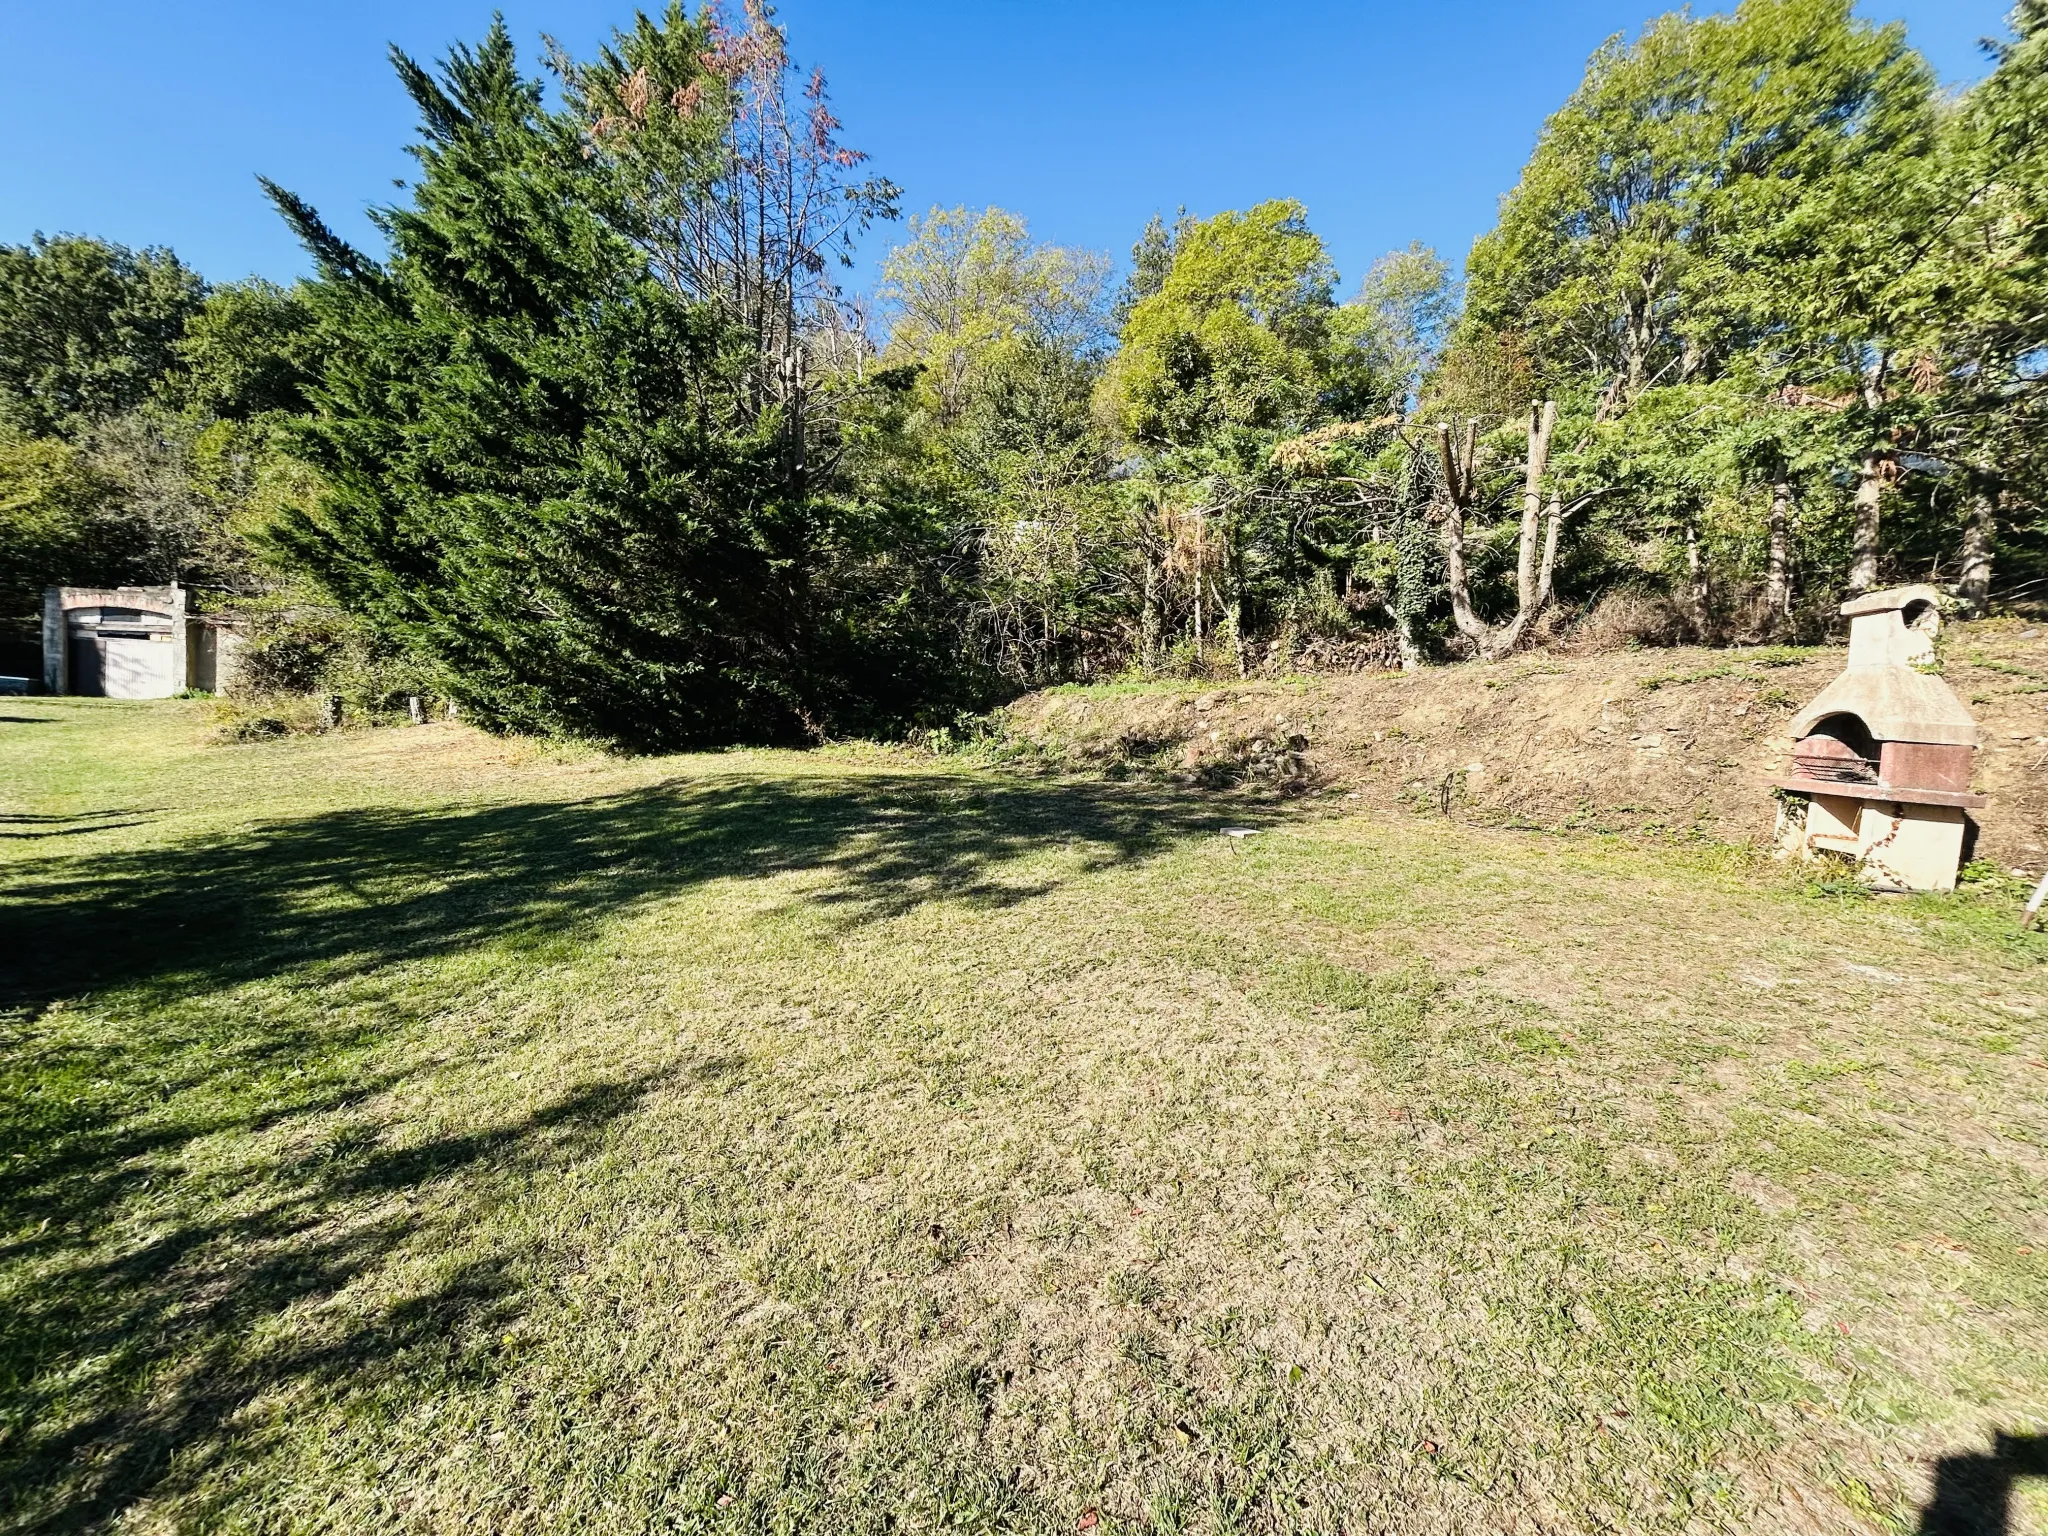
(1883,794)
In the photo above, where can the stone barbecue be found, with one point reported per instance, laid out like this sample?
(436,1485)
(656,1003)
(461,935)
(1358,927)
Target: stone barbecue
(1881,764)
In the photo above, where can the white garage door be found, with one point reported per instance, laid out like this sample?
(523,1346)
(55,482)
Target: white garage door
(136,666)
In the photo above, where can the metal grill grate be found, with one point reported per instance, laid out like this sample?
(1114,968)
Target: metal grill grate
(1832,763)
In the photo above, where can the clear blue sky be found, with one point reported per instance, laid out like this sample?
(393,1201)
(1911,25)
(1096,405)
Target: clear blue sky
(146,121)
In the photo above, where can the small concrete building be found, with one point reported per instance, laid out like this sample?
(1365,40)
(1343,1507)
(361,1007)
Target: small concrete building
(132,643)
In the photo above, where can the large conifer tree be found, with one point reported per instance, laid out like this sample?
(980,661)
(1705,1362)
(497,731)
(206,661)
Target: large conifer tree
(545,470)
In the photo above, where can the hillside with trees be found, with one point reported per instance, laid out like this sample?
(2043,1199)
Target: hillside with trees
(601,445)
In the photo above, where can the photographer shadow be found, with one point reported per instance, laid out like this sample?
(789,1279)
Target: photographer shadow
(1973,1494)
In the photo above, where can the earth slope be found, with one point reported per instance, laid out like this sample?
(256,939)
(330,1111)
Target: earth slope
(1682,740)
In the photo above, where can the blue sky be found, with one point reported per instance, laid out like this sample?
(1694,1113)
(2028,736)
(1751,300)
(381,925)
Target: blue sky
(146,121)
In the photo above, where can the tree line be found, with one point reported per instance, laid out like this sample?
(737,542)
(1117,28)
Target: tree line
(600,445)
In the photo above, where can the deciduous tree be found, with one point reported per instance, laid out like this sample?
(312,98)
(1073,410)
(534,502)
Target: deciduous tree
(87,330)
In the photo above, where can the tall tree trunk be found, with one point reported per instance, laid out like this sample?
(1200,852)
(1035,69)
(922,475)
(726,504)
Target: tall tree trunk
(1234,567)
(1456,575)
(1546,576)
(1148,619)
(1980,533)
(1532,582)
(1638,333)
(1869,515)
(1698,596)
(798,388)
(1869,488)
(1778,562)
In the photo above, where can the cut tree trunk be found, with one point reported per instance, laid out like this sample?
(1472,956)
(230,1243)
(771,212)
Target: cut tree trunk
(1405,638)
(1460,489)
(1980,533)
(1532,583)
(1542,422)
(1536,550)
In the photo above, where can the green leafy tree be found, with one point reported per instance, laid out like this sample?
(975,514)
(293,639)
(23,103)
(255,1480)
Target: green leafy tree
(96,345)
(1242,348)
(1242,340)
(113,365)
(59,523)
(1695,174)
(1725,496)
(1033,466)
(967,286)
(177,531)
(125,504)
(1986,325)
(1411,301)
(1151,260)
(247,351)
(994,344)
(87,330)
(1725,201)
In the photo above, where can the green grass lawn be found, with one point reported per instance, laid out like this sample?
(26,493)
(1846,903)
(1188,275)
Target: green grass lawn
(406,1131)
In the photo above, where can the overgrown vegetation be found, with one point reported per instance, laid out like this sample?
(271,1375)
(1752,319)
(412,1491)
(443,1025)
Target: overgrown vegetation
(597,446)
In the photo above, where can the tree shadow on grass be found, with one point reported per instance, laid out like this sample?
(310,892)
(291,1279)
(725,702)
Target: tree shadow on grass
(143,1306)
(40,827)
(335,898)
(127,1369)
(380,886)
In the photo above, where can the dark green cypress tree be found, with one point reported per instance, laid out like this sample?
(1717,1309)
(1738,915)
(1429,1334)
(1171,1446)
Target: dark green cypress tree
(537,475)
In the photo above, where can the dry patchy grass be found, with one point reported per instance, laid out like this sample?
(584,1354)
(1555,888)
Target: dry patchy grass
(406,1130)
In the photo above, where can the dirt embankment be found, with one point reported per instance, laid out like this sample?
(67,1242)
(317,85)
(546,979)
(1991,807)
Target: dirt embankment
(1678,740)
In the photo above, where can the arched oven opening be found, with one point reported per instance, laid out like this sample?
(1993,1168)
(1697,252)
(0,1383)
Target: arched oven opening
(1840,749)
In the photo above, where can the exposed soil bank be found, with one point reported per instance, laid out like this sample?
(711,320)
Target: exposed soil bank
(1680,740)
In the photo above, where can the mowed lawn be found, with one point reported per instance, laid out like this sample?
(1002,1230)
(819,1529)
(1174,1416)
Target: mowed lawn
(404,1130)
